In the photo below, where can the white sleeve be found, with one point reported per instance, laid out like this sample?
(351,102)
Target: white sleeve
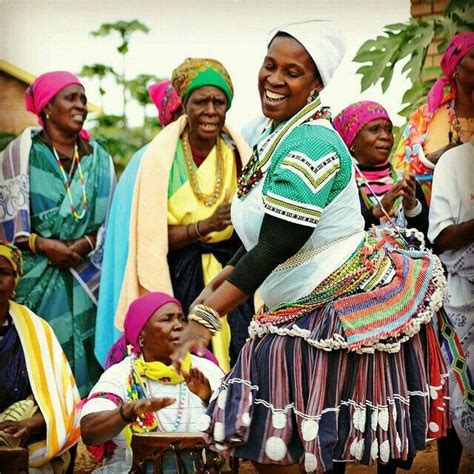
(113,380)
(444,198)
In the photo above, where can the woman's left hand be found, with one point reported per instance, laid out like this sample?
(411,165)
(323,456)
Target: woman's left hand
(409,191)
(80,246)
(198,384)
(24,428)
(194,335)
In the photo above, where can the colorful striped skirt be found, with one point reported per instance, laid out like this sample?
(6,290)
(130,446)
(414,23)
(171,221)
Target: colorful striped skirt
(302,393)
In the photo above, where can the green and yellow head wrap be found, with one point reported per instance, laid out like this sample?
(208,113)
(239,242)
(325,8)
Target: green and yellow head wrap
(194,73)
(13,255)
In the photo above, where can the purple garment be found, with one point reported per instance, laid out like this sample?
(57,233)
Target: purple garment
(14,381)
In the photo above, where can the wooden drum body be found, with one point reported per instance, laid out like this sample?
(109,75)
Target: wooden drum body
(166,453)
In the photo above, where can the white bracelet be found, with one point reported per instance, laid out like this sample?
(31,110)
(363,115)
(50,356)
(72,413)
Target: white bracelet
(415,211)
(89,241)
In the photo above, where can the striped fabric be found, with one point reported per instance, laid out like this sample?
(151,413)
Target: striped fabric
(52,383)
(387,310)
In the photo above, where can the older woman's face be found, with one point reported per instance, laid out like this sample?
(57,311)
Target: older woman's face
(7,280)
(286,79)
(161,333)
(67,110)
(373,143)
(206,109)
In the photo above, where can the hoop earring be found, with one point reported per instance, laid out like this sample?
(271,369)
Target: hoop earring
(140,342)
(455,75)
(312,95)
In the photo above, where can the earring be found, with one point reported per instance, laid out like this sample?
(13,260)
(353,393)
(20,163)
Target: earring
(351,149)
(47,116)
(140,342)
(455,75)
(312,95)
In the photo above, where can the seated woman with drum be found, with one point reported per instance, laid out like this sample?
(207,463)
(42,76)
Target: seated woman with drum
(143,393)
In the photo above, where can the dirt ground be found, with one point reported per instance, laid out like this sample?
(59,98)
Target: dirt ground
(426,462)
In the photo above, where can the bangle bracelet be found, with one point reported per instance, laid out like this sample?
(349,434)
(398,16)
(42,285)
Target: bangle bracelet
(190,237)
(32,242)
(196,229)
(89,241)
(122,415)
(207,317)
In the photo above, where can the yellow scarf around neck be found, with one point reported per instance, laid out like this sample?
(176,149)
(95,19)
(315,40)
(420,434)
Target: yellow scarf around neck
(162,373)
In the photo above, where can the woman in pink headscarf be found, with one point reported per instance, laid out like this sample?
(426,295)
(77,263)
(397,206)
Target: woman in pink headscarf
(167,101)
(385,195)
(143,392)
(446,120)
(56,185)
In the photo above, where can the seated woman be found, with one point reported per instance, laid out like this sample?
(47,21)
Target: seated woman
(38,394)
(143,392)
(366,129)
(189,172)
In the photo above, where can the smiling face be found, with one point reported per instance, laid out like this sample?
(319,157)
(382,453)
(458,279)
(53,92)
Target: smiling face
(206,109)
(373,143)
(67,110)
(161,332)
(286,79)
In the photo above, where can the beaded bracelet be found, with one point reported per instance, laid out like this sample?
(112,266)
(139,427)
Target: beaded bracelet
(32,242)
(207,317)
(122,414)
(89,241)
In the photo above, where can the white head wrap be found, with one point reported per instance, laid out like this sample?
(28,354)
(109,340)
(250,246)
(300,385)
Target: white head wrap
(323,43)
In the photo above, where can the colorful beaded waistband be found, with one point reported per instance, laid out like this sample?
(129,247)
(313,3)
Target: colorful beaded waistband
(366,267)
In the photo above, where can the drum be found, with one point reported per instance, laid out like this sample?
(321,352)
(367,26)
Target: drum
(166,453)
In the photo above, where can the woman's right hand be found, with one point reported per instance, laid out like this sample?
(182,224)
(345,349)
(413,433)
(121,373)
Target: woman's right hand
(388,201)
(58,253)
(195,335)
(145,405)
(219,220)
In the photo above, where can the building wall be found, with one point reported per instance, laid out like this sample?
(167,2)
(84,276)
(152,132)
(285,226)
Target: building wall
(13,116)
(423,9)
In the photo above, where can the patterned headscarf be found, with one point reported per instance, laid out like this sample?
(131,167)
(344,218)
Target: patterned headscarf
(354,117)
(13,255)
(44,88)
(166,99)
(194,73)
(457,48)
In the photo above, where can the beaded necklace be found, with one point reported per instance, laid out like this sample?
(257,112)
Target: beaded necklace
(76,161)
(455,129)
(147,424)
(207,199)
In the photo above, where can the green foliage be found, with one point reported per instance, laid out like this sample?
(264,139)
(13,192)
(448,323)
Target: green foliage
(112,131)
(5,139)
(124,29)
(411,40)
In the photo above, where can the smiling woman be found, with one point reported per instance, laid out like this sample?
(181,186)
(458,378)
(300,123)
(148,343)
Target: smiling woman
(58,184)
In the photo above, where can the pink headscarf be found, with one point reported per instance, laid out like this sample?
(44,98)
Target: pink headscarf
(166,99)
(457,48)
(44,88)
(349,121)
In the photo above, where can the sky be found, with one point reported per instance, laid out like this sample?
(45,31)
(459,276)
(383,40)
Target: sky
(44,35)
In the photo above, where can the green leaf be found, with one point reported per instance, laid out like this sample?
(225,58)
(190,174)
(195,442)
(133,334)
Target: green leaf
(396,26)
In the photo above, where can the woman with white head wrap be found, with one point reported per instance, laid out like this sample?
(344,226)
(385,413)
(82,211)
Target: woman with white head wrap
(327,374)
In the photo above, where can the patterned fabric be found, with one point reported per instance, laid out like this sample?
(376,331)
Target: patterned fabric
(166,99)
(13,255)
(64,298)
(354,117)
(52,384)
(457,48)
(194,73)
(367,408)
